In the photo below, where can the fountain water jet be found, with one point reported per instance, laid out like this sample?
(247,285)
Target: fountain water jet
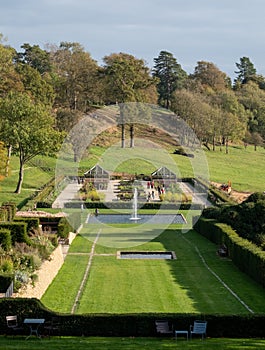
(135,203)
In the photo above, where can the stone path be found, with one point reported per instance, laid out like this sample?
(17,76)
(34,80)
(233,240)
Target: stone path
(67,195)
(71,190)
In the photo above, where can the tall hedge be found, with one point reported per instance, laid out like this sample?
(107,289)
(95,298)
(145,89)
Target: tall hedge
(11,209)
(5,281)
(32,223)
(245,255)
(18,231)
(5,239)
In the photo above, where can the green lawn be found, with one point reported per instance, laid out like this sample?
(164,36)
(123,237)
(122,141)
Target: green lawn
(34,178)
(130,343)
(243,167)
(198,281)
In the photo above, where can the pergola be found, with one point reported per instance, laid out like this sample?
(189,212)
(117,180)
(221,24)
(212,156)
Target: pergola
(98,176)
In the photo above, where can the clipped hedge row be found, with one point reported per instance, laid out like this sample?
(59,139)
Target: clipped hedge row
(128,205)
(18,231)
(32,223)
(7,211)
(132,324)
(5,281)
(245,255)
(5,240)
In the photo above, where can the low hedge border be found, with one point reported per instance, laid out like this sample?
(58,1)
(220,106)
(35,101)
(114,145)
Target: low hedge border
(128,205)
(132,324)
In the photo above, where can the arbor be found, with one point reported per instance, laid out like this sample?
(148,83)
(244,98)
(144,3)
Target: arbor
(127,79)
(170,77)
(28,127)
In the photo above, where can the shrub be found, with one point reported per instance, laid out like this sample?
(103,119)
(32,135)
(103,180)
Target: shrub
(32,223)
(5,239)
(18,231)
(5,281)
(64,228)
(11,210)
(7,265)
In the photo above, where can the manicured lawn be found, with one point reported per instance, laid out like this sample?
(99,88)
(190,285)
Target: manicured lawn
(34,178)
(65,286)
(198,281)
(100,343)
(243,167)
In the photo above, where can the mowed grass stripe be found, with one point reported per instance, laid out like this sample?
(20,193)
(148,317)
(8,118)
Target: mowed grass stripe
(127,286)
(246,288)
(60,295)
(182,285)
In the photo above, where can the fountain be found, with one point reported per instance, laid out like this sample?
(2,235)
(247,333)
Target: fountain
(135,200)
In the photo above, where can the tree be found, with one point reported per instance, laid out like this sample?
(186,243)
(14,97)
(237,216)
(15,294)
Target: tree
(127,79)
(3,160)
(28,127)
(209,76)
(170,77)
(35,57)
(75,77)
(256,140)
(39,87)
(253,100)
(246,71)
(9,78)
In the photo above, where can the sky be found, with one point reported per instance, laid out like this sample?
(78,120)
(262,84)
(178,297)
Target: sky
(215,31)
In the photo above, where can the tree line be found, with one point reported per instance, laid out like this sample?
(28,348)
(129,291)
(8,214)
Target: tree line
(45,92)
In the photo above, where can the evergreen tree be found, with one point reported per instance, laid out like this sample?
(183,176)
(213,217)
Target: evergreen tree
(171,76)
(246,71)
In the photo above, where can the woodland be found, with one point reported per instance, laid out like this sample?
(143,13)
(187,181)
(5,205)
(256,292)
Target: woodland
(45,92)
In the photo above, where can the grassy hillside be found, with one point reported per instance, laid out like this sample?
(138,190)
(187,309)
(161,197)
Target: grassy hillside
(243,167)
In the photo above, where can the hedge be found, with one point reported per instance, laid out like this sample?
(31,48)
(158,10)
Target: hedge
(32,223)
(245,255)
(5,281)
(5,239)
(18,231)
(7,211)
(128,205)
(142,324)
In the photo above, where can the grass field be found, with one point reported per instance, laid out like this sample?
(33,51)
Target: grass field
(243,167)
(198,281)
(100,343)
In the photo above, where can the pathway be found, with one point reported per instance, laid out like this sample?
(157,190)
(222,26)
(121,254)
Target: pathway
(67,195)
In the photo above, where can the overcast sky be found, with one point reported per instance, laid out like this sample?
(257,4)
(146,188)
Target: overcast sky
(218,31)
